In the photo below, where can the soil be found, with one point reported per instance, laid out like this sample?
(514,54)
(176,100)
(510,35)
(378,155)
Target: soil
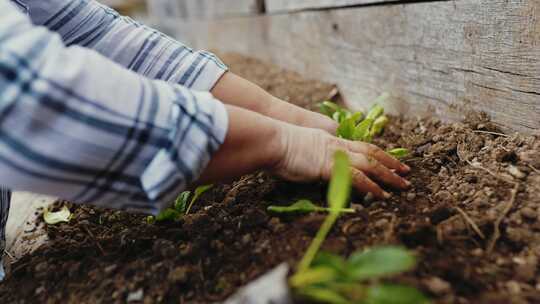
(472,218)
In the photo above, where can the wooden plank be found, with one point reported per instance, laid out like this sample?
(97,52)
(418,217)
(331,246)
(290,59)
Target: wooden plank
(203,9)
(435,58)
(22,235)
(279,6)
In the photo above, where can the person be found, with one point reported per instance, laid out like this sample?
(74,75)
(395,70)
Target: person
(96,107)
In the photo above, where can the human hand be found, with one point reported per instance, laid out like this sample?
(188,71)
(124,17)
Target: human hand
(307,154)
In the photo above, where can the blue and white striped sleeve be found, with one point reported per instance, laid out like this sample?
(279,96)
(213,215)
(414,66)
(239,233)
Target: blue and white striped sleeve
(76,125)
(131,44)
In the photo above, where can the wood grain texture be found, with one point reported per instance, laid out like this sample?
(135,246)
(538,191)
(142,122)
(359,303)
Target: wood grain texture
(203,9)
(439,58)
(22,236)
(278,6)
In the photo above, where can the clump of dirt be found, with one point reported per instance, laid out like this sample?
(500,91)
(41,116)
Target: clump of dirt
(472,217)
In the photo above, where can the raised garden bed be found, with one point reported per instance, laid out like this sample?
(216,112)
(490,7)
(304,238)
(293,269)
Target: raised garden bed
(472,218)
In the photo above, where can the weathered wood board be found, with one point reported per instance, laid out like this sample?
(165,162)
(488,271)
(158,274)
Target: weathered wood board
(278,6)
(435,58)
(203,9)
(22,235)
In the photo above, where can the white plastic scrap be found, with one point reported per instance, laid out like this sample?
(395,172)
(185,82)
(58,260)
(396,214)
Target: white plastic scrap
(51,218)
(271,288)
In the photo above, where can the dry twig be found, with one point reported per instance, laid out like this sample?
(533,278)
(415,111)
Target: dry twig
(471,223)
(497,232)
(492,133)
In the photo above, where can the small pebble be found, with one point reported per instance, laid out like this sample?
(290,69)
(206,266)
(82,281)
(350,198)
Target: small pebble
(477,252)
(513,287)
(411,196)
(515,172)
(529,213)
(381,223)
(178,275)
(357,207)
(135,296)
(438,286)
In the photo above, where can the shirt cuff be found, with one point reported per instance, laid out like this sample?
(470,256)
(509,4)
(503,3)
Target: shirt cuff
(198,126)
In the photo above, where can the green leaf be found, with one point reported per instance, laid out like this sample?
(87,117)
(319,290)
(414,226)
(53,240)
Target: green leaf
(340,184)
(362,131)
(380,262)
(181,202)
(51,218)
(198,192)
(375,112)
(315,275)
(394,294)
(168,214)
(150,219)
(301,206)
(323,295)
(378,125)
(399,152)
(325,259)
(328,108)
(346,128)
(304,206)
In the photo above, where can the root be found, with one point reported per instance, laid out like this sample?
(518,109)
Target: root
(471,223)
(497,230)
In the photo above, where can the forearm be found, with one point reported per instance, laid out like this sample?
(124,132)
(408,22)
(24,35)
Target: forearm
(234,90)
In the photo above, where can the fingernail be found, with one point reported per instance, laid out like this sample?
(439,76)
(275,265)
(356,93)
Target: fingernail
(407,183)
(405,167)
(387,195)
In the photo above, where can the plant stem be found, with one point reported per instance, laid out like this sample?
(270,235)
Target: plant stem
(317,242)
(342,210)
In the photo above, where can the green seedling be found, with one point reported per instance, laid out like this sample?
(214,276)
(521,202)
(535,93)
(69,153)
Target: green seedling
(353,126)
(338,194)
(362,131)
(328,108)
(180,207)
(375,112)
(399,153)
(304,206)
(332,279)
(347,127)
(328,278)
(378,125)
(200,190)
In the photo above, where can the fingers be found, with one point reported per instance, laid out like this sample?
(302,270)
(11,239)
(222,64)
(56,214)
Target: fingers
(376,170)
(378,154)
(365,185)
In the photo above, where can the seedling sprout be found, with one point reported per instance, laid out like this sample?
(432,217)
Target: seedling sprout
(180,207)
(304,206)
(329,278)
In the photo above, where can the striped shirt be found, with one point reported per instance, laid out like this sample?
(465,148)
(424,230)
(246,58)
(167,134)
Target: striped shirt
(97,108)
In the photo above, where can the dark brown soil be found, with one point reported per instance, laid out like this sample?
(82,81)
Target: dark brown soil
(469,186)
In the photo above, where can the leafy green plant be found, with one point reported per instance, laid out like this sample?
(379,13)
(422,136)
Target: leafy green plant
(332,279)
(329,278)
(338,194)
(304,206)
(399,152)
(198,191)
(354,126)
(180,207)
